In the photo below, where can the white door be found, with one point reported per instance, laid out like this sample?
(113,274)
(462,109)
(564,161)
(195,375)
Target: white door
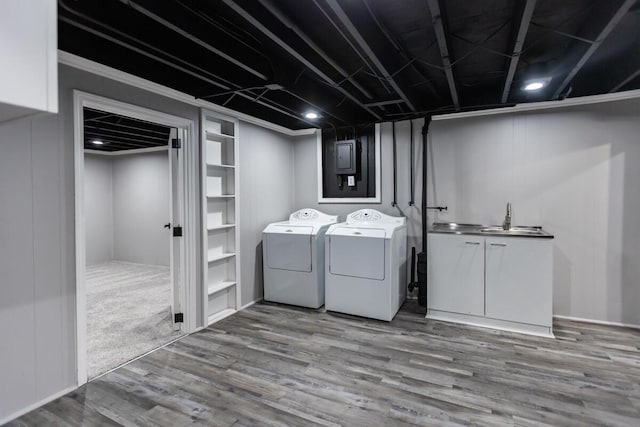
(518,279)
(176,176)
(455,274)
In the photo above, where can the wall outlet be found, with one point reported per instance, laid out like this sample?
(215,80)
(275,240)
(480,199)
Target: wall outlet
(351,181)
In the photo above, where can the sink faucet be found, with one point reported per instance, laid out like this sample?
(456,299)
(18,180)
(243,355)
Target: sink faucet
(506,225)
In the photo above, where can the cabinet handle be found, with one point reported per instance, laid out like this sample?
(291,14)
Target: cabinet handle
(498,244)
(471,243)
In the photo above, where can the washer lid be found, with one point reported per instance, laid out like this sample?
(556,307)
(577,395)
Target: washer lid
(280,228)
(358,232)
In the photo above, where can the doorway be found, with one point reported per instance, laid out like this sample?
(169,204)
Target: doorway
(131,209)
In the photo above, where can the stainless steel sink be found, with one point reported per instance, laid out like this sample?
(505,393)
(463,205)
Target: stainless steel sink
(529,231)
(488,230)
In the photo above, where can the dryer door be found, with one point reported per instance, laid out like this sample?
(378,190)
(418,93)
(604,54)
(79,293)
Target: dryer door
(357,252)
(288,247)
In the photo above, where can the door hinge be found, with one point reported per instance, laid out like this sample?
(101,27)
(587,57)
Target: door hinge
(177,231)
(176,143)
(178,318)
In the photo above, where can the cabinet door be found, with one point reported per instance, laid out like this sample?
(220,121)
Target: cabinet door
(455,273)
(519,279)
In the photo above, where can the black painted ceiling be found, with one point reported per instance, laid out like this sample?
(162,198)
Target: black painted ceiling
(117,133)
(362,61)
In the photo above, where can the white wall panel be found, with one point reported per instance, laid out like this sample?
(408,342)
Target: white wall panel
(98,201)
(266,195)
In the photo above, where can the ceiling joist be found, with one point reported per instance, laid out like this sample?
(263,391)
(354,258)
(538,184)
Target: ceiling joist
(438,27)
(518,43)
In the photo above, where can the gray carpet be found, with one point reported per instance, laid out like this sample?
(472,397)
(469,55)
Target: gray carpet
(128,313)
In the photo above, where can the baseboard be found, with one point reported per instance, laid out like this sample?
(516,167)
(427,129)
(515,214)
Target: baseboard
(597,322)
(250,304)
(36,405)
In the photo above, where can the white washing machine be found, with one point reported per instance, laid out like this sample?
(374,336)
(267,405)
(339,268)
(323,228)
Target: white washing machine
(293,258)
(366,265)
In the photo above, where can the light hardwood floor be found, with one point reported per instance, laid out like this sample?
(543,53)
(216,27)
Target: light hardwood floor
(278,365)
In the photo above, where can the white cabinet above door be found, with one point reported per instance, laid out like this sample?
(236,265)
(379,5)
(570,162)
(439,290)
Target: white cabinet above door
(29,52)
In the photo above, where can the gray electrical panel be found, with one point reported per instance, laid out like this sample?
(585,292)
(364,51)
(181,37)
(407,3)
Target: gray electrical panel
(345,152)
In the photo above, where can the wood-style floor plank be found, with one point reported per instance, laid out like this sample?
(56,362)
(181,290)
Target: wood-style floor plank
(276,365)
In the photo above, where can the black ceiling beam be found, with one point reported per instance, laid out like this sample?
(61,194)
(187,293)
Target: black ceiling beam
(269,5)
(98,135)
(173,64)
(193,38)
(520,34)
(291,51)
(362,43)
(608,26)
(438,27)
(625,81)
(134,128)
(117,134)
(406,57)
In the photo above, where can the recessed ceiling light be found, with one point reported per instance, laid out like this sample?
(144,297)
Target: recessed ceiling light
(534,86)
(311,115)
(97,142)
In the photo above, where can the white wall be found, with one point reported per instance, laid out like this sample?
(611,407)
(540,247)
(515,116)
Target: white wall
(98,198)
(574,171)
(266,195)
(141,208)
(37,251)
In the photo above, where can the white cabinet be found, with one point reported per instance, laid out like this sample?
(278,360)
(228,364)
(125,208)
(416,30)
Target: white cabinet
(28,48)
(456,281)
(220,206)
(499,282)
(518,279)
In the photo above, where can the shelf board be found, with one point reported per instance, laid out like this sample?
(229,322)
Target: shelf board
(218,165)
(214,135)
(219,227)
(221,196)
(217,287)
(220,257)
(220,315)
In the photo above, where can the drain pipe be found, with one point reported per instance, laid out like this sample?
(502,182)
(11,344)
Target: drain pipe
(422,257)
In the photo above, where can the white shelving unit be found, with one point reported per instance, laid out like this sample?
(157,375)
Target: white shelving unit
(220,207)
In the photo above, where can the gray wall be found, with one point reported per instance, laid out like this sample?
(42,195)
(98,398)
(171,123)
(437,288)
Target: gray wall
(266,195)
(574,171)
(306,180)
(141,208)
(37,250)
(98,199)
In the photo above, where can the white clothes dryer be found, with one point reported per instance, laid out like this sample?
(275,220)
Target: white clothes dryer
(366,265)
(293,258)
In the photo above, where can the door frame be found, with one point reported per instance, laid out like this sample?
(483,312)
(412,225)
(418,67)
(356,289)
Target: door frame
(188,262)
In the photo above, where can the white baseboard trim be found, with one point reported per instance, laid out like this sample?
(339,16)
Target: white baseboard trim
(597,322)
(36,405)
(250,304)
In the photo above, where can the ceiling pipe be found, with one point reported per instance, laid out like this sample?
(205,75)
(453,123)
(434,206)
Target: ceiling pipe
(268,4)
(401,51)
(438,27)
(609,26)
(520,35)
(193,38)
(364,60)
(276,107)
(258,25)
(342,16)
